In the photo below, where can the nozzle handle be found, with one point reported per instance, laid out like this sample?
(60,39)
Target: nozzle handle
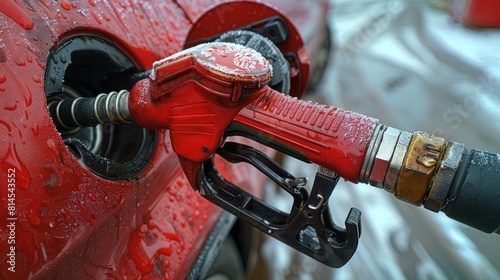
(331,137)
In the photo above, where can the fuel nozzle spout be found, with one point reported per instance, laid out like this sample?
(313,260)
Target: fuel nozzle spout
(69,114)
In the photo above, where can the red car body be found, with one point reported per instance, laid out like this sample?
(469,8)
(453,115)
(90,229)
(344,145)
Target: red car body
(59,219)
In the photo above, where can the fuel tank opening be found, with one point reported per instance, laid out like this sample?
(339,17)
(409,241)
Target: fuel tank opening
(85,66)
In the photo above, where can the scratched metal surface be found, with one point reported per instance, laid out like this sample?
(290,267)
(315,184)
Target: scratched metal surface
(413,68)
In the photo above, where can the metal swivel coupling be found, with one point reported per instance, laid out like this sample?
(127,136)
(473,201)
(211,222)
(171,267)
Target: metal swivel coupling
(69,114)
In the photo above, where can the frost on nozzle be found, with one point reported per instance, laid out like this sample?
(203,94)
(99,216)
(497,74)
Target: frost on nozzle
(226,58)
(159,64)
(232,59)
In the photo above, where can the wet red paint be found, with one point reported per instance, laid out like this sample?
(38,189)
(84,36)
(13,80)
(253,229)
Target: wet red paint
(72,224)
(158,236)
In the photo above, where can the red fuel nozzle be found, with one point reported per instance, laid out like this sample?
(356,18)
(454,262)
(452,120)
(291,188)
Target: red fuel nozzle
(197,93)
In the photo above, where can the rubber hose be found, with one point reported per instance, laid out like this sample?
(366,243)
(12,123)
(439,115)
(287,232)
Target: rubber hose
(474,197)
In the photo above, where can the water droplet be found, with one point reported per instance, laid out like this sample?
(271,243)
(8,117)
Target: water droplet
(43,211)
(51,181)
(37,79)
(93,220)
(10,106)
(66,5)
(19,61)
(92,3)
(66,214)
(96,17)
(62,15)
(11,161)
(16,13)
(170,38)
(92,196)
(427,161)
(151,241)
(29,58)
(34,213)
(2,78)
(9,129)
(55,60)
(52,78)
(51,144)
(27,97)
(26,118)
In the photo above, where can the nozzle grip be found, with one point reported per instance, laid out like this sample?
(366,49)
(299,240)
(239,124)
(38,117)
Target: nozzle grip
(330,137)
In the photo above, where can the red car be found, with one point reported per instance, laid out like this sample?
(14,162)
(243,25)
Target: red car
(111,201)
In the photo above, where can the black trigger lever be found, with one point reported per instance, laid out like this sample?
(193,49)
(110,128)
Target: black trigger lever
(308,227)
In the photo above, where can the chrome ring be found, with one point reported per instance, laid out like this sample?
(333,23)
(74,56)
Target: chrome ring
(73,104)
(383,157)
(96,109)
(371,152)
(444,177)
(109,109)
(58,116)
(118,107)
(391,177)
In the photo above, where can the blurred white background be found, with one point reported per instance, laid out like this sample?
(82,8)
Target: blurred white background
(409,65)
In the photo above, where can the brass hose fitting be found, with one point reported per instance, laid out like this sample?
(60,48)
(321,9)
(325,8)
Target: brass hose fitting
(405,164)
(419,166)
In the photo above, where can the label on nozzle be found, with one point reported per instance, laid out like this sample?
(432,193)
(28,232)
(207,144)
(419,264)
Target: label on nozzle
(234,61)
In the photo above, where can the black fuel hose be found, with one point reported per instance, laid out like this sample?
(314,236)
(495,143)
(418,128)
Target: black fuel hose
(474,197)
